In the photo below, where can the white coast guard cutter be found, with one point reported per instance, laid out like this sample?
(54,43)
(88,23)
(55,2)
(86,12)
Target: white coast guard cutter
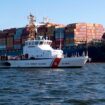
(41,54)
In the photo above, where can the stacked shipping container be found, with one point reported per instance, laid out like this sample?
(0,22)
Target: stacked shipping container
(59,37)
(24,35)
(70,34)
(99,30)
(18,38)
(82,33)
(49,30)
(12,40)
(9,38)
(2,41)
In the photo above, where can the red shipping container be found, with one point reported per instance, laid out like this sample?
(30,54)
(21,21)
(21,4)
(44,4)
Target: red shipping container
(17,41)
(89,31)
(58,42)
(61,39)
(12,30)
(23,40)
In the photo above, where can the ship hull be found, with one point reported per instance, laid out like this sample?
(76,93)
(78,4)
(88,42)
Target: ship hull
(46,63)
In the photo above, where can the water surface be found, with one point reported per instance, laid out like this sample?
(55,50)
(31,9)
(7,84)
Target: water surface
(69,86)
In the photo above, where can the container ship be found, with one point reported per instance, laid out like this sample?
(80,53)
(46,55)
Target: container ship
(73,39)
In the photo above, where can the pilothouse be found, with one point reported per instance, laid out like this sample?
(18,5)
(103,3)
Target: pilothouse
(41,48)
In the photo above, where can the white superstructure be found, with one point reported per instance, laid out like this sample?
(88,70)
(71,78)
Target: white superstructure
(41,48)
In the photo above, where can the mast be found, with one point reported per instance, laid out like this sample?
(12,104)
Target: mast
(60,42)
(86,42)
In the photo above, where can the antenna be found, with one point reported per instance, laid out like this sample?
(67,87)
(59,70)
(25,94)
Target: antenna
(60,42)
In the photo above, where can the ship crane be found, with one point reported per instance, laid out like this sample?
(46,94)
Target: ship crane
(45,20)
(31,27)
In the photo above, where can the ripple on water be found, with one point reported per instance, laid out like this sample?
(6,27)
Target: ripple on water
(82,86)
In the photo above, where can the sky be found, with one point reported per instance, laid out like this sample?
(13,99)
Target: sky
(13,13)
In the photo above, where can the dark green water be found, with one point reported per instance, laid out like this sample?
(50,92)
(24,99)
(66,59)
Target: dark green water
(83,86)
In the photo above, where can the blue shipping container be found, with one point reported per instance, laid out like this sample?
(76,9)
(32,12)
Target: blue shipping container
(18,33)
(69,36)
(17,46)
(59,33)
(71,44)
(12,53)
(2,47)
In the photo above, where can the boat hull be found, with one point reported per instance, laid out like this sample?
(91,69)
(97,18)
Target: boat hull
(46,63)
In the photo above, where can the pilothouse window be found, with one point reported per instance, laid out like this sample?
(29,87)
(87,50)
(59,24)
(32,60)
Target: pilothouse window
(45,42)
(29,43)
(36,43)
(41,43)
(32,43)
(26,43)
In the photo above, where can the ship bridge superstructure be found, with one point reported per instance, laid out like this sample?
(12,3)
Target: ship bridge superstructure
(41,48)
